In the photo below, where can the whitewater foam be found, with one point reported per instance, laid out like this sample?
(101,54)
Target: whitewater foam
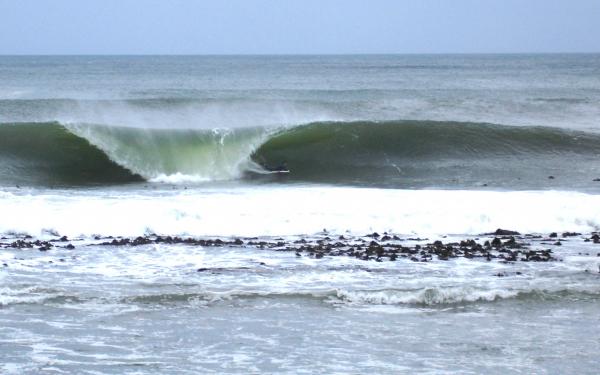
(281,210)
(427,296)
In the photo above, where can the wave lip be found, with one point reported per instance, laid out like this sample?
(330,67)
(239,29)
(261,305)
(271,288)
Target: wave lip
(176,154)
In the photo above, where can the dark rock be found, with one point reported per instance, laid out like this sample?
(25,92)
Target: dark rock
(496,242)
(506,232)
(140,241)
(504,247)
(21,244)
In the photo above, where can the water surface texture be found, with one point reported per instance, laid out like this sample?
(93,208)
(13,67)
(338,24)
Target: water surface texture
(285,149)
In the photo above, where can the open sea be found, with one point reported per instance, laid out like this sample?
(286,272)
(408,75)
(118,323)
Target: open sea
(156,214)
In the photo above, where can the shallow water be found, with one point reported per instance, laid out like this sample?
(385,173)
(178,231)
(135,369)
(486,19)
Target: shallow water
(102,309)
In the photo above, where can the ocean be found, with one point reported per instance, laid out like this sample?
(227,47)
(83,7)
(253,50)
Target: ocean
(300,214)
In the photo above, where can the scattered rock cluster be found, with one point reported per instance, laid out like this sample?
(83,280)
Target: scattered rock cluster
(27,242)
(501,245)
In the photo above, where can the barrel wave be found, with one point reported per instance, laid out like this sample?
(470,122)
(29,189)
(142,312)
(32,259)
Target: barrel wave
(365,153)
(83,154)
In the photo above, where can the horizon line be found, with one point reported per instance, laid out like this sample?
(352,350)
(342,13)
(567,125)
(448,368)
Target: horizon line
(298,54)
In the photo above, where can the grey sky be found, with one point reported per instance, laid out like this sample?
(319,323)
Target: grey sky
(301,26)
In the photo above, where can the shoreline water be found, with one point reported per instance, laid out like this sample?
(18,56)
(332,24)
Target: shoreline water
(225,307)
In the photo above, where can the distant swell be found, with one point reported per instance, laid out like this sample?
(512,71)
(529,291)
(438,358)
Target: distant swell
(394,153)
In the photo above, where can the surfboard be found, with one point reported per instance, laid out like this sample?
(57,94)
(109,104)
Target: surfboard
(285,171)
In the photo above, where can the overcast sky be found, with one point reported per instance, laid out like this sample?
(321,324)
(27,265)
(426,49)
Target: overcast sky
(297,26)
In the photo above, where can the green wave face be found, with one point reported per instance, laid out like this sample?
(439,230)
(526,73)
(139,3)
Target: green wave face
(49,154)
(428,153)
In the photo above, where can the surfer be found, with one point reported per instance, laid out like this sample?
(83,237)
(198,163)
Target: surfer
(281,168)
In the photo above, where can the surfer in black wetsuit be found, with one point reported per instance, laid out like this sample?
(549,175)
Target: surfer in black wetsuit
(281,167)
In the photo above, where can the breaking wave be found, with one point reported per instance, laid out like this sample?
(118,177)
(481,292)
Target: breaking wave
(392,153)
